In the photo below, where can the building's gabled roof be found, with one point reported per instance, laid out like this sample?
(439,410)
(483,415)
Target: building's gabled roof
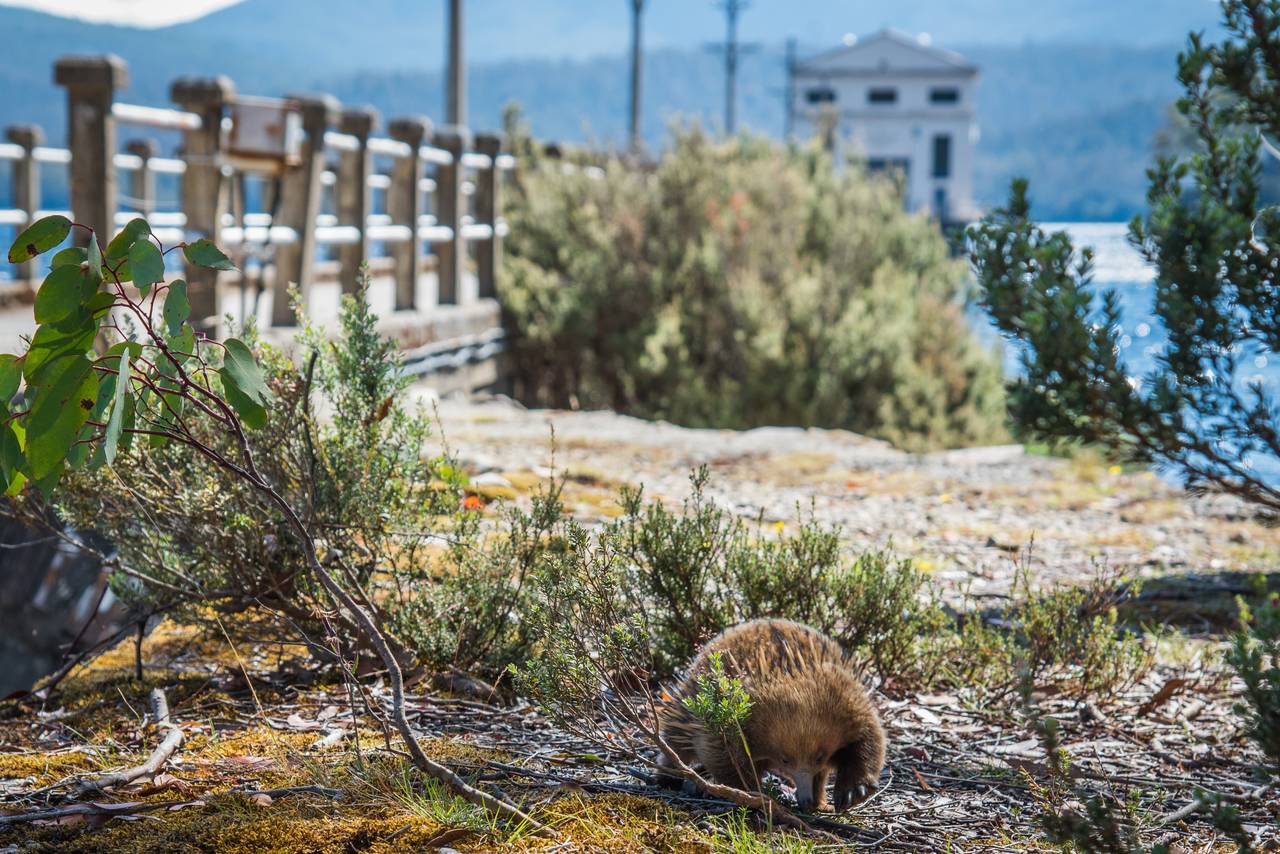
(887,51)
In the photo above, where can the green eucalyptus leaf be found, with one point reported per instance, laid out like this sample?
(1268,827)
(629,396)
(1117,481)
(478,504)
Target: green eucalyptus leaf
(72,255)
(60,294)
(41,236)
(64,391)
(242,368)
(177,308)
(123,241)
(147,265)
(116,423)
(57,340)
(252,413)
(203,253)
(99,304)
(47,484)
(10,377)
(93,257)
(12,462)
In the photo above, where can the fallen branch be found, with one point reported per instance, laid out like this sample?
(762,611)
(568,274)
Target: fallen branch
(167,747)
(89,810)
(1206,799)
(93,809)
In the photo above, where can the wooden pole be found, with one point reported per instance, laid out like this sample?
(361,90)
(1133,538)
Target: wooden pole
(26,186)
(487,209)
(91,83)
(451,253)
(205,193)
(142,181)
(355,197)
(404,205)
(301,194)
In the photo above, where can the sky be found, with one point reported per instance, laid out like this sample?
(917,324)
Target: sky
(138,13)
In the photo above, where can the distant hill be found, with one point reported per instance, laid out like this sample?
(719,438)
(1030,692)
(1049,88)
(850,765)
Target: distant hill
(1078,120)
(396,34)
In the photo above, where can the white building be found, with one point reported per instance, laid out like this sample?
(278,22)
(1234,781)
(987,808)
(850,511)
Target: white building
(902,104)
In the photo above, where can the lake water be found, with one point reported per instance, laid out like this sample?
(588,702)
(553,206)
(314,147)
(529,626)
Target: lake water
(1119,267)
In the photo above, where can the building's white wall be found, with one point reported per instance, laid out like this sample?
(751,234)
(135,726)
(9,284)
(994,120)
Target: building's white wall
(900,131)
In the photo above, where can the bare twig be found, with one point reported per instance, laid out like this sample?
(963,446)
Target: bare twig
(167,747)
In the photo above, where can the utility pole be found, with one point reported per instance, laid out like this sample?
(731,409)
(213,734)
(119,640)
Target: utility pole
(733,51)
(637,62)
(455,70)
(789,97)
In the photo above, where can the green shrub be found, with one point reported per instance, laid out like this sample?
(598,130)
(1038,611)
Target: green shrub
(740,284)
(696,571)
(1068,636)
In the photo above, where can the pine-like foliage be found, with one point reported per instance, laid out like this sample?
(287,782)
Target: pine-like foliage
(1202,412)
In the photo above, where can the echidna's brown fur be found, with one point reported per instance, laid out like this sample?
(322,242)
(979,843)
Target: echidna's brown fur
(810,715)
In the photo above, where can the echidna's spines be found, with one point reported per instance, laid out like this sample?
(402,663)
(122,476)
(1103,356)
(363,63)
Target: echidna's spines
(810,715)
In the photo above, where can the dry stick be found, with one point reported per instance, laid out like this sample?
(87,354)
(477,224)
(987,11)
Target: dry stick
(157,759)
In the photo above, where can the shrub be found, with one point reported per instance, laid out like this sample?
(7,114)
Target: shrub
(1068,636)
(740,284)
(698,570)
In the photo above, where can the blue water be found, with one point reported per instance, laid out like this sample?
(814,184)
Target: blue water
(1119,267)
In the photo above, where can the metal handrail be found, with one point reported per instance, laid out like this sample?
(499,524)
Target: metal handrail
(389,147)
(157,117)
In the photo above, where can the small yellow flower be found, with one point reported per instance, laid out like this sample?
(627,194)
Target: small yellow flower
(1115,470)
(779,525)
(945,497)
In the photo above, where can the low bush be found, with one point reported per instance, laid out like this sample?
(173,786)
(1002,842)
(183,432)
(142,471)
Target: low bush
(1068,637)
(701,569)
(740,284)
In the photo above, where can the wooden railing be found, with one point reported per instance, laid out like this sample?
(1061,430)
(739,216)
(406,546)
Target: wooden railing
(338,196)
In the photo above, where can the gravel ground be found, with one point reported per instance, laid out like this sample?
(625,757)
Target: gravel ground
(965,515)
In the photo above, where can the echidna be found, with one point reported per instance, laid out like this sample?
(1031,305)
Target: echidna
(809,717)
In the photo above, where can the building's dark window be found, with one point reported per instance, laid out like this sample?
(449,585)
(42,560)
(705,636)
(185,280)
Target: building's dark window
(882,95)
(942,156)
(944,95)
(821,95)
(898,165)
(940,205)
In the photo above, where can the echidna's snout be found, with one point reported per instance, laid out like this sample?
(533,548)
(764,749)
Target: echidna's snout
(805,782)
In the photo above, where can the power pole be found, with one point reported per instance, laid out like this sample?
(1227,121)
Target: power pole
(789,97)
(733,51)
(637,61)
(455,71)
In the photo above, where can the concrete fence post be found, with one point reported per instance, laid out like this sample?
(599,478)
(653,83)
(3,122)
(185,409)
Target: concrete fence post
(205,192)
(301,195)
(142,181)
(26,186)
(451,253)
(404,206)
(354,195)
(487,208)
(91,83)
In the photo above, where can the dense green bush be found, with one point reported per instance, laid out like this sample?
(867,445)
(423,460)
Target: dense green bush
(738,284)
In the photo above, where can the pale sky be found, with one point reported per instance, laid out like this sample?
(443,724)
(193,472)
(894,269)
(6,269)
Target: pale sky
(138,13)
